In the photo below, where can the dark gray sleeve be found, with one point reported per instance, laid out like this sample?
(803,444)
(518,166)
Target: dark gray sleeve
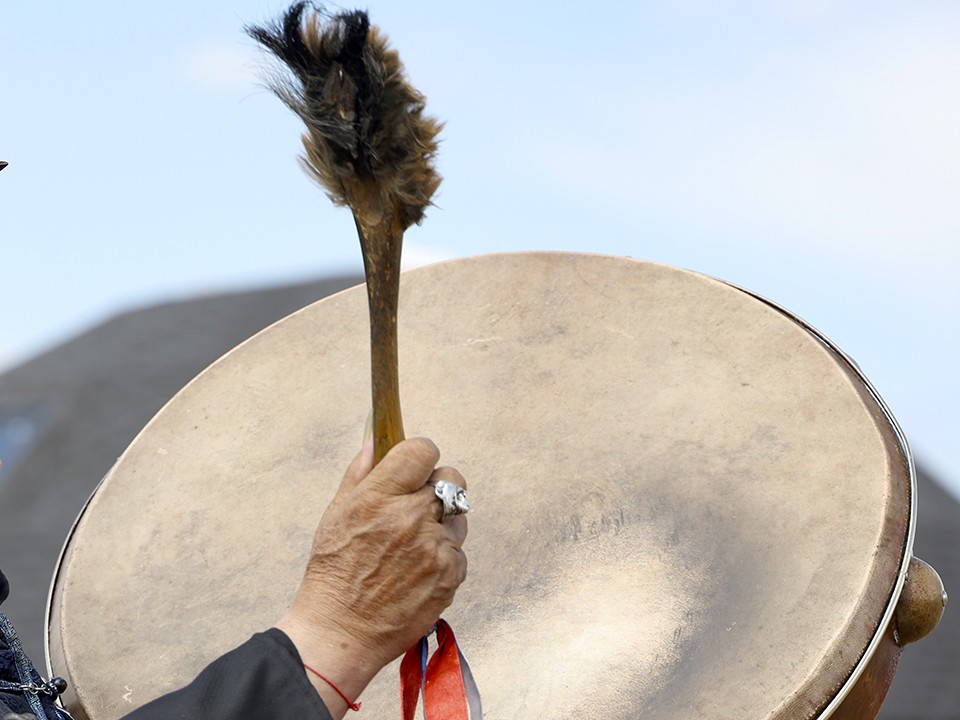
(263,679)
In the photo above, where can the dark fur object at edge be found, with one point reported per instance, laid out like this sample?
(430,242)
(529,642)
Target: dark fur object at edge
(368,142)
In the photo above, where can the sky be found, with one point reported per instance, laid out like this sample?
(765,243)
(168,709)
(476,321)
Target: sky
(807,151)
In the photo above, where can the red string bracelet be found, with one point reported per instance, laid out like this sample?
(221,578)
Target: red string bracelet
(352,706)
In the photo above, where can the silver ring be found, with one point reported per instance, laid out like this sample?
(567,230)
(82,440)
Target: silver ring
(453,497)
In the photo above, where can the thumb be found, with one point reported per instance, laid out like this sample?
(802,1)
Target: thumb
(359,468)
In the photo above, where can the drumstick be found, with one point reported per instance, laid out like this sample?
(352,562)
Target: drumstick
(371,148)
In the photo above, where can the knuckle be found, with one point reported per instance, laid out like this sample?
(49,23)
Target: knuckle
(448,585)
(423,450)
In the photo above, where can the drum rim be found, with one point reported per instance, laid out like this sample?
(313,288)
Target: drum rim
(842,357)
(53,592)
(907,455)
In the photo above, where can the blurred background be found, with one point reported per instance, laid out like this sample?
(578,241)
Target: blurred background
(807,151)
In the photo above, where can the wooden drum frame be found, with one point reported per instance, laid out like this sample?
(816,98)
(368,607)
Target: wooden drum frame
(689,503)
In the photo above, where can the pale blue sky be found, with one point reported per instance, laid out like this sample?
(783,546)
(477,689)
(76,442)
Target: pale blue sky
(805,150)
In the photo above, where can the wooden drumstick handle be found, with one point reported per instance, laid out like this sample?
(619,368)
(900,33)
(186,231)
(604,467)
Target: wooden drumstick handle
(381,246)
(371,147)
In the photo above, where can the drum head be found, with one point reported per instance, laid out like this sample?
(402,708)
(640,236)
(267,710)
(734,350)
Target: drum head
(687,505)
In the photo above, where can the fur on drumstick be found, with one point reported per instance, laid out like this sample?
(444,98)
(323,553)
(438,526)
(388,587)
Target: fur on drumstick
(371,147)
(368,142)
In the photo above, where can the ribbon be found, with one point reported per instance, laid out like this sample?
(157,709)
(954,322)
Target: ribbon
(444,682)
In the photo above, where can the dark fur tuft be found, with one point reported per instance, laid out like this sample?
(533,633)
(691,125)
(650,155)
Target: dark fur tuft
(368,142)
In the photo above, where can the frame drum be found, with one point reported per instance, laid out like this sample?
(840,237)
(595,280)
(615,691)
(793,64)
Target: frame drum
(688,503)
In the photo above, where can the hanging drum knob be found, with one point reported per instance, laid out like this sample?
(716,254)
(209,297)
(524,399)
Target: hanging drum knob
(921,603)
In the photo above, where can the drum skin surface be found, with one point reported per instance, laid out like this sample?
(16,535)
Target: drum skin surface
(686,504)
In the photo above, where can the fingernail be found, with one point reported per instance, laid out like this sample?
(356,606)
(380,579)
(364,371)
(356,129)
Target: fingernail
(368,431)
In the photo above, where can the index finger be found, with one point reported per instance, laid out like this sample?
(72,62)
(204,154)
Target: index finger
(405,469)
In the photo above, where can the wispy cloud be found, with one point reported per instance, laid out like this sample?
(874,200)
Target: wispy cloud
(851,147)
(218,68)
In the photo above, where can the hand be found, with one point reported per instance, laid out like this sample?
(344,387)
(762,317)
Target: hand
(382,569)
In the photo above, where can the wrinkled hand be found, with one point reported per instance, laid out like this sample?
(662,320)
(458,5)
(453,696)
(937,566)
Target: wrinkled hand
(382,569)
